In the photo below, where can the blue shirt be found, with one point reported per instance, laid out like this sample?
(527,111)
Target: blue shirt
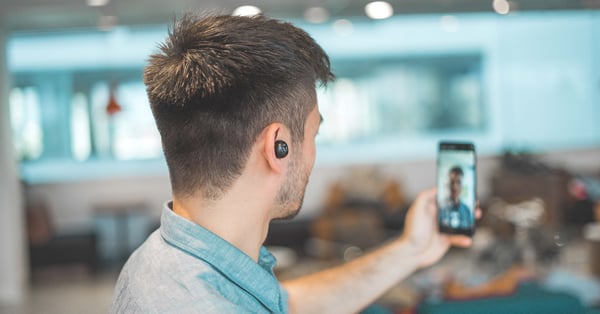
(184,268)
(456,215)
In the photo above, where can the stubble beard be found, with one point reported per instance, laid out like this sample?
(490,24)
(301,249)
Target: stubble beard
(291,195)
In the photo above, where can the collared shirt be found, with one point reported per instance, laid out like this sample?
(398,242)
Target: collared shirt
(184,268)
(456,215)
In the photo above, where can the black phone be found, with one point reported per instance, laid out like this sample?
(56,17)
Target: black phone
(456,187)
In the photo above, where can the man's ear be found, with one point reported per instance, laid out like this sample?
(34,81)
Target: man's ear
(272,133)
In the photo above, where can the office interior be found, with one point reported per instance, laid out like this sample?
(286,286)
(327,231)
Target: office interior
(83,179)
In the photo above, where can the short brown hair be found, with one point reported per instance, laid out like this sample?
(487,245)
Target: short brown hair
(217,82)
(456,170)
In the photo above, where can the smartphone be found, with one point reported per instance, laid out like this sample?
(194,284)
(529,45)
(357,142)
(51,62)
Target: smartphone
(456,187)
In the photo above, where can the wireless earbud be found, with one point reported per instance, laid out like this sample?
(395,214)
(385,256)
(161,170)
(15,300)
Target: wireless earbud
(281,149)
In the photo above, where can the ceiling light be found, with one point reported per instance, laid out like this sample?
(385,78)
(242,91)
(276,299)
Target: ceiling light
(379,10)
(501,6)
(97,3)
(316,15)
(247,10)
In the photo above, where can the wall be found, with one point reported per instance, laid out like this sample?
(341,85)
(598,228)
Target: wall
(74,204)
(13,265)
(541,87)
(541,76)
(596,67)
(548,86)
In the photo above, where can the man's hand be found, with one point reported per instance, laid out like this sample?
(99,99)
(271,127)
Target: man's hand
(352,286)
(421,230)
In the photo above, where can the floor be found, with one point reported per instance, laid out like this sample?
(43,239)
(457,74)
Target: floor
(73,290)
(65,291)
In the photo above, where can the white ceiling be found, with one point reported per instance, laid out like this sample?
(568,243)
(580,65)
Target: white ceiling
(19,15)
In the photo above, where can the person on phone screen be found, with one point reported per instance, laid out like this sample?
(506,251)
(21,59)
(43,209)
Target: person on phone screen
(235,104)
(455,213)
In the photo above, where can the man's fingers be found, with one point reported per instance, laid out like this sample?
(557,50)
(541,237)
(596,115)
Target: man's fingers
(428,195)
(461,241)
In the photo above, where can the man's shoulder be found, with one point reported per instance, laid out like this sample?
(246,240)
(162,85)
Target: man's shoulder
(192,274)
(463,206)
(161,278)
(156,261)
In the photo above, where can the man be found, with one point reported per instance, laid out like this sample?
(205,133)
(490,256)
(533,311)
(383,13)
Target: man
(455,213)
(234,100)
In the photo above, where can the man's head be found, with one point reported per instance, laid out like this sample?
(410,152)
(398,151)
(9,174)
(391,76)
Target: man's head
(455,176)
(217,82)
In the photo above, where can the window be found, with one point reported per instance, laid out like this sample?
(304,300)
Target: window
(370,100)
(129,133)
(76,117)
(26,122)
(80,128)
(402,97)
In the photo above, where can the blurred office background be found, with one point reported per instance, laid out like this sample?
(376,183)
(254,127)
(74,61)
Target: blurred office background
(83,180)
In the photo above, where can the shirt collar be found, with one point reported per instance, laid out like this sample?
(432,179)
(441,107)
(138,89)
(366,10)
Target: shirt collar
(255,278)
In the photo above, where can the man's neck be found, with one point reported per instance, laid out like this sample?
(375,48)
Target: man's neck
(236,221)
(242,215)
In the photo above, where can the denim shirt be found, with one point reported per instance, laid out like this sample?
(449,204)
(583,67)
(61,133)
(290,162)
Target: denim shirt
(184,268)
(456,215)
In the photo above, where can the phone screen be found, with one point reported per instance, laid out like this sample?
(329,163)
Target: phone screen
(456,187)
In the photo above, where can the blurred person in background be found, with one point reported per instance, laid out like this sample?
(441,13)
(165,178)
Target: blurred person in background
(454,213)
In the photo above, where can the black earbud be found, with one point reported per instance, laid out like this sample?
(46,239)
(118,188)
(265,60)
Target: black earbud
(281,149)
